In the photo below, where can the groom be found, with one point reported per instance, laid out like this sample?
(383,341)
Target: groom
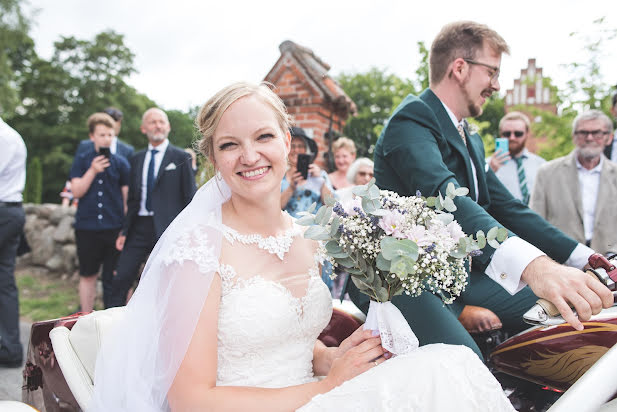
(426,145)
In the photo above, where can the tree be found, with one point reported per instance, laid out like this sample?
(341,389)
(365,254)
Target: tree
(34,182)
(376,94)
(16,52)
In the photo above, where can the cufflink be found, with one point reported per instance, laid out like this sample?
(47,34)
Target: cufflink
(503,276)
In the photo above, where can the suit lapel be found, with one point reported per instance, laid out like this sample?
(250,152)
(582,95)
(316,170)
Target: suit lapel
(140,168)
(608,175)
(450,133)
(572,185)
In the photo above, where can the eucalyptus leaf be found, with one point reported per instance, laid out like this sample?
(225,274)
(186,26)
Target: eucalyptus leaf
(377,283)
(373,192)
(320,213)
(382,263)
(492,233)
(307,220)
(450,189)
(325,217)
(449,205)
(379,212)
(382,294)
(361,262)
(370,274)
(399,267)
(370,205)
(346,262)
(317,233)
(355,271)
(360,190)
(339,255)
(461,191)
(359,283)
(502,234)
(330,200)
(312,207)
(333,247)
(481,241)
(334,225)
(458,253)
(430,201)
(494,243)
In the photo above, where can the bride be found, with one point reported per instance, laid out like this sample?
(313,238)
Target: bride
(227,313)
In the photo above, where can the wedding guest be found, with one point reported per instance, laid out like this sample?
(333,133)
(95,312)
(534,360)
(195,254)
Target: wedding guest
(117,146)
(297,193)
(344,150)
(161,184)
(229,308)
(101,185)
(12,220)
(359,173)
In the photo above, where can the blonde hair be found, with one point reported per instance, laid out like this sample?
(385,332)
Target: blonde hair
(210,114)
(344,143)
(515,116)
(461,39)
(99,118)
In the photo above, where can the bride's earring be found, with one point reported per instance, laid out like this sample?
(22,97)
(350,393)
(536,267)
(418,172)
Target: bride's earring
(218,175)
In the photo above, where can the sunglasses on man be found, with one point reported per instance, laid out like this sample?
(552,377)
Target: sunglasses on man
(517,134)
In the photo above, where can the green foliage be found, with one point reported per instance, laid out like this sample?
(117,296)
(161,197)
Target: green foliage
(33,191)
(183,132)
(376,94)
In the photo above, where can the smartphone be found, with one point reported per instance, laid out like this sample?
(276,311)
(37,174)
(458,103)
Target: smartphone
(304,160)
(105,151)
(502,144)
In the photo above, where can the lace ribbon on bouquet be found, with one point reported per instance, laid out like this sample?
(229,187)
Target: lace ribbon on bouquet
(396,335)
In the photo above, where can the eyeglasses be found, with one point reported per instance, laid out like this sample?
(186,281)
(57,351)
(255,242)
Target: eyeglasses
(517,134)
(494,70)
(365,174)
(298,147)
(596,134)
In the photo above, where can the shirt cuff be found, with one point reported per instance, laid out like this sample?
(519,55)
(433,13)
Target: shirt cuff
(509,261)
(579,256)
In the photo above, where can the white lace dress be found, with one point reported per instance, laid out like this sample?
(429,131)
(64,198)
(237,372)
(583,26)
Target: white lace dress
(269,322)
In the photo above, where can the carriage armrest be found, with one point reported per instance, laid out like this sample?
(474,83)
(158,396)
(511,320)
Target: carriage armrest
(79,381)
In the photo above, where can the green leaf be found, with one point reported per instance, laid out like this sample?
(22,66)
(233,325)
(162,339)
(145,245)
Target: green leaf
(382,263)
(481,241)
(449,205)
(317,233)
(325,217)
(312,207)
(376,282)
(307,220)
(492,233)
(320,214)
(430,201)
(359,283)
(360,190)
(370,205)
(330,200)
(346,262)
(392,248)
(461,191)
(361,262)
(458,253)
(479,233)
(379,212)
(493,243)
(334,225)
(502,234)
(399,267)
(354,271)
(370,274)
(373,192)
(382,294)
(450,189)
(333,247)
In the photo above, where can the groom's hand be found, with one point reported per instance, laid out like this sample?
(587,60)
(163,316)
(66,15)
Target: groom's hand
(564,287)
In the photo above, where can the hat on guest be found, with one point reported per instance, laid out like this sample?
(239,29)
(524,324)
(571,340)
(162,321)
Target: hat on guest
(311,145)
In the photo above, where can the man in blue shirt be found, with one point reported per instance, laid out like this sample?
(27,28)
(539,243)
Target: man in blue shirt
(99,179)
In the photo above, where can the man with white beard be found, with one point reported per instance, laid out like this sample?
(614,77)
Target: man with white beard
(161,184)
(577,192)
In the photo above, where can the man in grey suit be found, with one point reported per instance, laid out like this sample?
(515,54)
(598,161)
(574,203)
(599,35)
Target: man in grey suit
(577,192)
(161,184)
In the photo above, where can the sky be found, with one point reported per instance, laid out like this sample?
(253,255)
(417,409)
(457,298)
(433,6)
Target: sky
(186,50)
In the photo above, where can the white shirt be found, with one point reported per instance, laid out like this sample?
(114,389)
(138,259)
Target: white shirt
(589,183)
(614,150)
(508,173)
(114,145)
(512,257)
(12,164)
(158,158)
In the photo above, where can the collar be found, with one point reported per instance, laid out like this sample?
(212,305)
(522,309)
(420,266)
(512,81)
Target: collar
(455,121)
(597,169)
(524,154)
(161,148)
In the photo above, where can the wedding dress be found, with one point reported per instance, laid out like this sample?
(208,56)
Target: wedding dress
(273,305)
(268,328)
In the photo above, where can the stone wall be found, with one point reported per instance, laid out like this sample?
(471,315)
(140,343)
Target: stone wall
(50,234)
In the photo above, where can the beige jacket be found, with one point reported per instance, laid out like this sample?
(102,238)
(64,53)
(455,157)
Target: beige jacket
(556,197)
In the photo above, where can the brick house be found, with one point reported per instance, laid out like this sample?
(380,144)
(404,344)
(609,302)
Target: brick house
(530,90)
(314,100)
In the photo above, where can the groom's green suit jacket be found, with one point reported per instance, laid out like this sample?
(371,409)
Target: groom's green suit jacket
(421,150)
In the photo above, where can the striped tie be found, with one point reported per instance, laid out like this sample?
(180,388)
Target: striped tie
(522,180)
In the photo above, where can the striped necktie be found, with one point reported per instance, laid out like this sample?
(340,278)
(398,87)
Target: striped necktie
(522,180)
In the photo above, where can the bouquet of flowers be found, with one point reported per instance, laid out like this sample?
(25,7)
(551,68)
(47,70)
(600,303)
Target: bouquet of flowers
(391,244)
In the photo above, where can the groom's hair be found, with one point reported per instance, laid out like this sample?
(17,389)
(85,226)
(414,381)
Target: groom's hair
(461,39)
